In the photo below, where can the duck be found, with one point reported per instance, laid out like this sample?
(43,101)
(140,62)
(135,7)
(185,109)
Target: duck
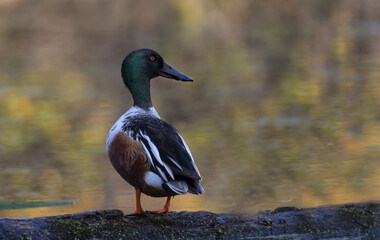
(146,151)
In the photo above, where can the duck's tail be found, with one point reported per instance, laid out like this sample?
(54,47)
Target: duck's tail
(182,187)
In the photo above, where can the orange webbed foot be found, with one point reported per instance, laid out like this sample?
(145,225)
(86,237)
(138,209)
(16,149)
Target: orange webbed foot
(165,209)
(137,212)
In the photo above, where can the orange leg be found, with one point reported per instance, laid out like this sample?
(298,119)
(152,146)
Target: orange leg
(139,209)
(166,207)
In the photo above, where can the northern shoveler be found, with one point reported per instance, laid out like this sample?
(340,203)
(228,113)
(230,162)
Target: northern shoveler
(146,151)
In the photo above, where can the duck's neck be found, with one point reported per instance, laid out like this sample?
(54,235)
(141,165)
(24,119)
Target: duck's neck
(141,95)
(139,86)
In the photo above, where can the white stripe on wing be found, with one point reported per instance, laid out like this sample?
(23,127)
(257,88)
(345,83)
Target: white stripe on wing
(147,152)
(191,156)
(157,156)
(175,162)
(153,147)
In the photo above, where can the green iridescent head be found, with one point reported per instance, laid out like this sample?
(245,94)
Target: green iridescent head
(139,67)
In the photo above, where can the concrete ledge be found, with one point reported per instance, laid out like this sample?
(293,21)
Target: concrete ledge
(354,220)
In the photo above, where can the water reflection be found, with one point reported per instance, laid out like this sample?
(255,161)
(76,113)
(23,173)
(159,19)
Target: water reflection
(284,109)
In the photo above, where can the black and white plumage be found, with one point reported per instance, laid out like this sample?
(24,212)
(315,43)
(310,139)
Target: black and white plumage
(169,155)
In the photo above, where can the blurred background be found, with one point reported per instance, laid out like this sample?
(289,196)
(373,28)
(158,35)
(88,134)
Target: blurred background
(284,109)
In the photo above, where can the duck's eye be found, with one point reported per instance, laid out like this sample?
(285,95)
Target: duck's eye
(152,58)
